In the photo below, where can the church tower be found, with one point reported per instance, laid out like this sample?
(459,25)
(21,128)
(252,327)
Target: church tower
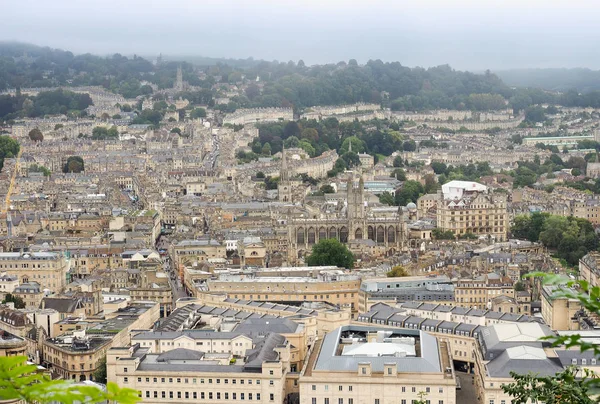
(356,209)
(179,80)
(284,187)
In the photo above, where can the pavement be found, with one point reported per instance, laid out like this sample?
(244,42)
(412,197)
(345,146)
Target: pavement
(467,394)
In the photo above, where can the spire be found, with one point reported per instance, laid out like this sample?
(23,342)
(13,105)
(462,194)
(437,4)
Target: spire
(349,145)
(283,175)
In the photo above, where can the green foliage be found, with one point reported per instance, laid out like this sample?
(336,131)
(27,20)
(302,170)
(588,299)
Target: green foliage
(440,234)
(19,381)
(35,168)
(535,114)
(565,387)
(176,130)
(571,237)
(9,148)
(398,162)
(410,192)
(330,252)
(399,174)
(260,174)
(100,373)
(409,145)
(74,164)
(246,157)
(397,272)
(198,113)
(19,303)
(102,133)
(519,286)
(36,135)
(327,189)
(387,198)
(271,182)
(149,116)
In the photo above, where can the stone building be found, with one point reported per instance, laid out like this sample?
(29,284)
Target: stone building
(466,207)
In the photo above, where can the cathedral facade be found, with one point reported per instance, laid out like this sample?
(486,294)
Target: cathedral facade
(354,223)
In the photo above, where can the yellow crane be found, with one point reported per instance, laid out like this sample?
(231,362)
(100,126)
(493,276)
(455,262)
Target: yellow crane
(12,181)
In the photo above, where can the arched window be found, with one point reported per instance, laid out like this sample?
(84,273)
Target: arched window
(332,232)
(371,233)
(300,236)
(344,234)
(358,234)
(391,234)
(322,233)
(380,234)
(311,236)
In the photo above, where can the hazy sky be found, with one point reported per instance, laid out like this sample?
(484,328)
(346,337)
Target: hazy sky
(467,34)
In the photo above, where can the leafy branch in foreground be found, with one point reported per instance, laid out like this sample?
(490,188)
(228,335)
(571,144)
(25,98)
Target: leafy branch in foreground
(573,384)
(564,387)
(20,381)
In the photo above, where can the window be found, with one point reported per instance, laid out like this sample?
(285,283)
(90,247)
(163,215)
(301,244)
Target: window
(502,401)
(403,389)
(326,401)
(363,371)
(414,389)
(170,394)
(202,395)
(442,402)
(241,396)
(349,388)
(155,380)
(124,370)
(441,390)
(125,380)
(147,394)
(427,390)
(270,382)
(257,381)
(179,380)
(403,401)
(340,401)
(179,394)
(139,379)
(155,394)
(258,396)
(341,388)
(491,401)
(163,394)
(271,372)
(147,380)
(314,387)
(187,395)
(350,401)
(194,395)
(376,401)
(226,396)
(218,396)
(210,395)
(314,400)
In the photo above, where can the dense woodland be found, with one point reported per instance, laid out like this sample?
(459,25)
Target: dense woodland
(288,84)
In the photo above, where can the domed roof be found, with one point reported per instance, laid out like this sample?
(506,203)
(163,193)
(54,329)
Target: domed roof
(411,206)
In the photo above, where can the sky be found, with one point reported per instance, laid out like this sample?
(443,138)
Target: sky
(467,34)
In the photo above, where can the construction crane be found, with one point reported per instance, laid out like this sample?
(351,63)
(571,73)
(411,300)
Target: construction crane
(12,181)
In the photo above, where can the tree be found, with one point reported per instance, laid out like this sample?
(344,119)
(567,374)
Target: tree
(36,135)
(327,189)
(260,174)
(330,252)
(409,145)
(35,168)
(9,148)
(399,174)
(387,198)
(198,113)
(398,162)
(440,234)
(74,164)
(100,373)
(176,130)
(519,286)
(439,168)
(19,303)
(24,383)
(58,126)
(397,271)
(570,385)
(410,192)
(291,142)
(266,149)
(351,159)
